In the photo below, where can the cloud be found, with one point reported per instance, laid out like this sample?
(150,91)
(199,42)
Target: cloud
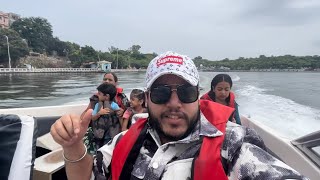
(213,29)
(280,12)
(316,43)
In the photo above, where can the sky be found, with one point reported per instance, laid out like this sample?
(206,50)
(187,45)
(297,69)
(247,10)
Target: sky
(212,29)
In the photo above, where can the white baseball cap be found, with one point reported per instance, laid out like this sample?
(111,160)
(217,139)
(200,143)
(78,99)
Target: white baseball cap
(172,63)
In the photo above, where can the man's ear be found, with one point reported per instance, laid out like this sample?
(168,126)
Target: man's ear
(146,95)
(146,98)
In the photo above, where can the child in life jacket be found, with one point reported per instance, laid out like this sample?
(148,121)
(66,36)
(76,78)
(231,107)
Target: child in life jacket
(105,122)
(137,105)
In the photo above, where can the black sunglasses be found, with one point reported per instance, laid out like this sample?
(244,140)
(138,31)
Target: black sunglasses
(161,94)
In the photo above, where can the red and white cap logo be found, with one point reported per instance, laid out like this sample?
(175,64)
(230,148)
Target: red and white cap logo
(172,63)
(170,59)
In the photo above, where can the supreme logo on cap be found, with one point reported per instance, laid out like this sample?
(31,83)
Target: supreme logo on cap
(169,59)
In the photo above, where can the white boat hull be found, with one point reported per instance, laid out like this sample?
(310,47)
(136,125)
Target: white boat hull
(283,149)
(277,144)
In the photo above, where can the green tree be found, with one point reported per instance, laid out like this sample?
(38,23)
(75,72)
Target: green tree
(17,45)
(107,57)
(36,30)
(58,46)
(135,49)
(197,58)
(113,49)
(73,53)
(122,62)
(71,48)
(89,53)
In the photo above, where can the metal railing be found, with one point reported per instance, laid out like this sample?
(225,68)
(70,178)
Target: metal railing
(8,70)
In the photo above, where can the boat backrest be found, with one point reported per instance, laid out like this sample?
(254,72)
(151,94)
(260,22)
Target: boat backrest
(18,136)
(44,124)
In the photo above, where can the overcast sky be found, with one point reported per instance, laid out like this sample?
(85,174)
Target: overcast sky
(213,29)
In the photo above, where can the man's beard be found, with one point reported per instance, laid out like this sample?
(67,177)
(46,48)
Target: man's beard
(155,124)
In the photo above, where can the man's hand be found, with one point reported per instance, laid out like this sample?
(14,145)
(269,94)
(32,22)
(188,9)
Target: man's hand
(70,129)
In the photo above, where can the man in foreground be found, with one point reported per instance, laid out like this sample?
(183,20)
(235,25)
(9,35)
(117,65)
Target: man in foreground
(183,138)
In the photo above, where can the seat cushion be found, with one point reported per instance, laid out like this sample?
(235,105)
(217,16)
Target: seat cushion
(18,136)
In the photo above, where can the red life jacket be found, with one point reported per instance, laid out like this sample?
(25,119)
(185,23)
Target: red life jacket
(232,100)
(231,95)
(205,167)
(206,97)
(119,97)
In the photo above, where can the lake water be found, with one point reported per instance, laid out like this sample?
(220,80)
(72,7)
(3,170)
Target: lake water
(285,101)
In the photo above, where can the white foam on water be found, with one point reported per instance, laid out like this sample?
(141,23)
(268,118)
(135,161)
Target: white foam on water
(70,85)
(26,98)
(129,89)
(235,78)
(83,100)
(20,86)
(289,118)
(67,81)
(12,91)
(84,90)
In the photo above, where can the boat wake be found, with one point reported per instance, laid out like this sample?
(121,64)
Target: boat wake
(286,116)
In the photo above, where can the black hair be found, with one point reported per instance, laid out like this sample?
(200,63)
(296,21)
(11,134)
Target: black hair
(220,78)
(108,89)
(115,77)
(139,94)
(217,79)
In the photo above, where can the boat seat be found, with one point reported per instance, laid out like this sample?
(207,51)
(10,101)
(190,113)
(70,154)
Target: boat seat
(50,166)
(44,124)
(49,163)
(18,136)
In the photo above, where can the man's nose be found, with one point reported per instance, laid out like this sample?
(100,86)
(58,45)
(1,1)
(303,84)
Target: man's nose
(174,100)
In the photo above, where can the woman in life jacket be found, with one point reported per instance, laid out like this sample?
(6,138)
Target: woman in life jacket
(137,105)
(221,93)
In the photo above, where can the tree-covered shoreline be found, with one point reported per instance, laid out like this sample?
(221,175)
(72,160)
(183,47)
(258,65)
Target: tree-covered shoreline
(34,34)
(262,63)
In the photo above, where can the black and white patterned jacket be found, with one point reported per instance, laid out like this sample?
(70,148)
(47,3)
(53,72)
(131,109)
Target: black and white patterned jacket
(243,156)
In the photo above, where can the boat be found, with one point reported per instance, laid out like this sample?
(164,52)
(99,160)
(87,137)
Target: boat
(302,154)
